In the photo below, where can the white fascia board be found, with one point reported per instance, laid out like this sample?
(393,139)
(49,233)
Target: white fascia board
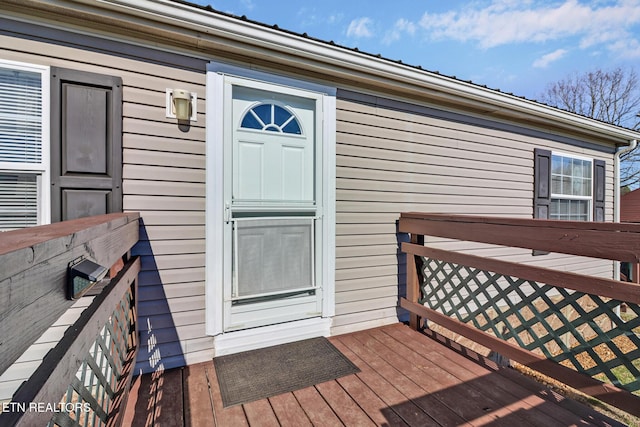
(210,25)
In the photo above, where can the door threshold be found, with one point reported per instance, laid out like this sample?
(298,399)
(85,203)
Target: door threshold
(266,336)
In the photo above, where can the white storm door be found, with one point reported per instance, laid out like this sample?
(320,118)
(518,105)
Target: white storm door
(272,223)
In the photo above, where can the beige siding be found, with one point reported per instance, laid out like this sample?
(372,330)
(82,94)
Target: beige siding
(406,158)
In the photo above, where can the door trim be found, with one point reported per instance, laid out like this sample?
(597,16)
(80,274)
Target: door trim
(215,209)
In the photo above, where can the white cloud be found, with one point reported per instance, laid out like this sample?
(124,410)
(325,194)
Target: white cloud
(626,48)
(508,21)
(401,26)
(545,60)
(360,27)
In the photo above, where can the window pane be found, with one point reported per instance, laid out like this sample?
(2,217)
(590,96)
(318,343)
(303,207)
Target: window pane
(567,166)
(280,115)
(264,112)
(250,122)
(20,116)
(292,127)
(566,185)
(18,201)
(577,168)
(556,165)
(572,210)
(587,169)
(577,187)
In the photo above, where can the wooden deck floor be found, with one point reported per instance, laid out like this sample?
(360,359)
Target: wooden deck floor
(406,379)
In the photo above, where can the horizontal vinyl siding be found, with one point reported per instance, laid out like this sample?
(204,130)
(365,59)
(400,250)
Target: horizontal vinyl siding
(163,179)
(393,160)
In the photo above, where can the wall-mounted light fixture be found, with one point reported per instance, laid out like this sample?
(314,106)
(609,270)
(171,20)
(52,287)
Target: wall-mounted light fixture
(182,105)
(82,275)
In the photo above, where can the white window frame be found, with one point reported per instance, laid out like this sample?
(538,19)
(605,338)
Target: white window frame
(215,209)
(42,169)
(557,196)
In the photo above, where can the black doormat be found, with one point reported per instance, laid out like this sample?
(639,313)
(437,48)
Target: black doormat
(258,374)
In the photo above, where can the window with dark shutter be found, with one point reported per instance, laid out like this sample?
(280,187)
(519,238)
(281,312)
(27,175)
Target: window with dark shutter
(86,144)
(568,187)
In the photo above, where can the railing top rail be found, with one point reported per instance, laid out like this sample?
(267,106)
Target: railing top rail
(16,240)
(626,227)
(614,241)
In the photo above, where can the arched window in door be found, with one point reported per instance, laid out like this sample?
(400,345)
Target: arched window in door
(271,117)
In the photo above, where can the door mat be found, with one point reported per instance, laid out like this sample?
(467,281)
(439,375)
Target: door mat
(258,374)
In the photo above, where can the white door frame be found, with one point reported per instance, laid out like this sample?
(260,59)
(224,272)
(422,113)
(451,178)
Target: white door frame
(215,212)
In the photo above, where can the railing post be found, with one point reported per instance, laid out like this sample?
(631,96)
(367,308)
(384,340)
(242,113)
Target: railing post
(413,284)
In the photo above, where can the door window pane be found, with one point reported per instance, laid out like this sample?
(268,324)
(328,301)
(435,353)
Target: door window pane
(271,118)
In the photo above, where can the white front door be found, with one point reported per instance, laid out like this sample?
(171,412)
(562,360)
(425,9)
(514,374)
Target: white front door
(273,218)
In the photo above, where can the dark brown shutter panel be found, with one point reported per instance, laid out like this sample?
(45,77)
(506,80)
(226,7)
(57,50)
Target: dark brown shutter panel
(86,144)
(542,183)
(598,190)
(541,187)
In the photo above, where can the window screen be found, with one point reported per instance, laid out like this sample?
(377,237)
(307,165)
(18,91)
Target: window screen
(273,256)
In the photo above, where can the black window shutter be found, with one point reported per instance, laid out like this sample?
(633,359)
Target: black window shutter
(541,187)
(542,183)
(598,190)
(86,144)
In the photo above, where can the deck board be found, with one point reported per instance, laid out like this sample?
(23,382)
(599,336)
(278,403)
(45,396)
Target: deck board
(405,379)
(260,413)
(199,411)
(289,411)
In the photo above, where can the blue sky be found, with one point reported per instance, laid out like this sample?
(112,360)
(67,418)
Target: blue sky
(515,46)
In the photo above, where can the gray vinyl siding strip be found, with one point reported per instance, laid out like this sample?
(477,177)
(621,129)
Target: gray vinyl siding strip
(457,117)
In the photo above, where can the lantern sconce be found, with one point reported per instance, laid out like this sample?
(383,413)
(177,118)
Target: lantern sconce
(182,105)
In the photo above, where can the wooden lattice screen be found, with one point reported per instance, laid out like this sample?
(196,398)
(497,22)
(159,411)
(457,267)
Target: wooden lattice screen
(565,326)
(98,381)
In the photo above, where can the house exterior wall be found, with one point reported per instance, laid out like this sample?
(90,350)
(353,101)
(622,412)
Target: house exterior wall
(391,157)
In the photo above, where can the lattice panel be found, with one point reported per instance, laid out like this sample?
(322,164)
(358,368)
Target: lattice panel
(88,397)
(581,331)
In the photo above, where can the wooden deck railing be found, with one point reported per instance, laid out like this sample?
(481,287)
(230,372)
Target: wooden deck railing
(85,378)
(564,325)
